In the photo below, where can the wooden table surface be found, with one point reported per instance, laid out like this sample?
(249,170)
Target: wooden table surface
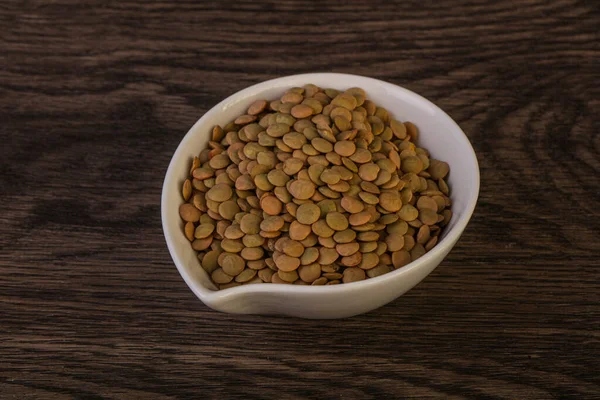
(95,97)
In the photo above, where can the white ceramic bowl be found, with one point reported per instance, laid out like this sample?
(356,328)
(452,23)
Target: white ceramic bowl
(438,133)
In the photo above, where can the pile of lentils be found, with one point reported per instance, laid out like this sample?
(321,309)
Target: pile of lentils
(320,187)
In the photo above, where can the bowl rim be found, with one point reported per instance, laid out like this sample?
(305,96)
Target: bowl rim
(213,296)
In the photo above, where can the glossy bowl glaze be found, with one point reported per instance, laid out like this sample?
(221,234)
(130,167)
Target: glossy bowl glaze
(438,133)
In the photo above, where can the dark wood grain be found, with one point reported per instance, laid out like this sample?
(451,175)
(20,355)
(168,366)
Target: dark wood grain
(94,98)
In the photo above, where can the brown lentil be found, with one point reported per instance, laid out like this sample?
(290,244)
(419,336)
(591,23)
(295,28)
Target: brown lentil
(318,187)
